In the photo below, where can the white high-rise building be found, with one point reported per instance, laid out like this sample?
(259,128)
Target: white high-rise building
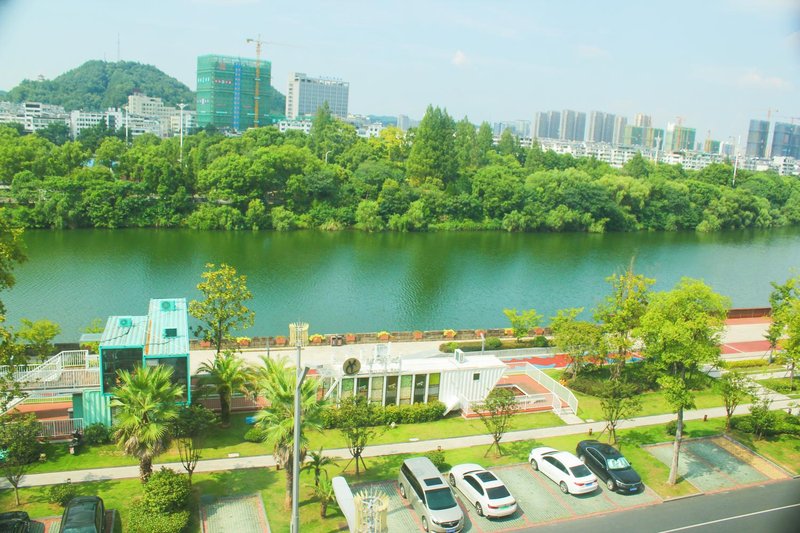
(306,94)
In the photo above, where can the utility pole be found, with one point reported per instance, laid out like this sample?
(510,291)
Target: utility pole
(180,158)
(301,375)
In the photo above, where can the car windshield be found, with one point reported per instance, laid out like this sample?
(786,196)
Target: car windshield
(580,471)
(439,499)
(496,493)
(617,463)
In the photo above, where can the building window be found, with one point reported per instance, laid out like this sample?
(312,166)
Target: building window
(391,390)
(405,389)
(347,388)
(419,388)
(362,386)
(476,376)
(376,390)
(433,387)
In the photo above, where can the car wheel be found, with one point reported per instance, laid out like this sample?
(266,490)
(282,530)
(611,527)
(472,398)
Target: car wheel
(534,464)
(478,509)
(563,487)
(424,524)
(610,485)
(452,480)
(582,458)
(402,490)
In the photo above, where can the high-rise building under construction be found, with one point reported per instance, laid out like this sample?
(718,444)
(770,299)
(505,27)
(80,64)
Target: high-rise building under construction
(226,92)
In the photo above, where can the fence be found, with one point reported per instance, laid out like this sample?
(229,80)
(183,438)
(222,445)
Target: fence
(559,390)
(525,403)
(238,403)
(59,428)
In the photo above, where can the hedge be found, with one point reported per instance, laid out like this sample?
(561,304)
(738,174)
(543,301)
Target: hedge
(746,363)
(494,343)
(142,520)
(386,415)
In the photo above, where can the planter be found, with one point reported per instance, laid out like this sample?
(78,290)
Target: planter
(350,338)
(316,339)
(384,336)
(205,344)
(449,334)
(508,332)
(479,332)
(418,335)
(280,341)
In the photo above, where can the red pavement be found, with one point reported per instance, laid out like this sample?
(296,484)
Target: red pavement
(745,347)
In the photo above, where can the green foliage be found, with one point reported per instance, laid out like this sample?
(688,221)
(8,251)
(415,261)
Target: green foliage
(495,412)
(671,428)
(493,343)
(166,492)
(332,417)
(522,322)
(745,363)
(223,310)
(766,423)
(255,435)
(39,336)
(97,434)
(437,458)
(142,520)
(19,438)
(61,493)
(225,374)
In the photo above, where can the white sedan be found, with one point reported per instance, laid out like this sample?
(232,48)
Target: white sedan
(565,469)
(484,490)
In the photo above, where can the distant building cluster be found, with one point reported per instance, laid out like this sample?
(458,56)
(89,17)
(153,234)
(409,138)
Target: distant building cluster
(306,94)
(143,114)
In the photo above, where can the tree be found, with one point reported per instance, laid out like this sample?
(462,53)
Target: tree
(734,387)
(190,429)
(522,322)
(432,156)
(621,312)
(39,335)
(578,339)
(223,309)
(226,374)
(11,354)
(357,415)
(19,439)
(324,493)
(495,412)
(791,354)
(146,402)
(316,463)
(618,401)
(55,132)
(681,331)
(780,300)
(11,253)
(277,382)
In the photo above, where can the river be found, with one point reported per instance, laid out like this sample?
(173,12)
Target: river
(353,281)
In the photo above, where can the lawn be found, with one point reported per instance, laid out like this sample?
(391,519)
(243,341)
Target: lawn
(781,385)
(653,403)
(782,449)
(221,442)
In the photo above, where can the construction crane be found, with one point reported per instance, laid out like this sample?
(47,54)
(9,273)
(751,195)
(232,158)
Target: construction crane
(257,97)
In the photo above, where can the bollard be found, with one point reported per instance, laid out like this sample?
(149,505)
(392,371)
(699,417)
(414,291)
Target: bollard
(705,418)
(590,432)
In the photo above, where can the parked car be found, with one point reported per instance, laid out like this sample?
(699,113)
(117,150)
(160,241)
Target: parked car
(484,490)
(422,484)
(609,465)
(565,469)
(15,522)
(84,514)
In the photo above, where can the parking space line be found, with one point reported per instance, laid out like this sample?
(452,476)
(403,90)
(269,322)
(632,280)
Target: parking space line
(692,526)
(548,486)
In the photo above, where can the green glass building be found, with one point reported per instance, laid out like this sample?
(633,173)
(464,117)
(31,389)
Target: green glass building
(226,92)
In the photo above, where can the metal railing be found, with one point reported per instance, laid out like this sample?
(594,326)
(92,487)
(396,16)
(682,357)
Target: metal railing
(59,428)
(238,403)
(564,394)
(64,380)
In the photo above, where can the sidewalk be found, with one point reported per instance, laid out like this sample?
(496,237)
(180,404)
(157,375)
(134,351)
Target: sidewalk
(213,465)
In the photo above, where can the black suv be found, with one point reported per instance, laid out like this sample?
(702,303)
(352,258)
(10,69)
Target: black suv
(15,522)
(84,514)
(609,465)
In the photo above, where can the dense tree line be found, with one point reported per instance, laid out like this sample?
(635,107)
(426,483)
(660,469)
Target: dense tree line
(443,175)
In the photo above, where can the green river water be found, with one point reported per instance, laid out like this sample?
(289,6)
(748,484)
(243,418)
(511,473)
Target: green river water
(354,282)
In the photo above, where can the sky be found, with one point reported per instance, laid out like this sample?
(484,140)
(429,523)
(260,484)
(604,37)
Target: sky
(714,63)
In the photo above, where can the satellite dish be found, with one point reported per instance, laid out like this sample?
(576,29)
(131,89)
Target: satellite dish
(351,366)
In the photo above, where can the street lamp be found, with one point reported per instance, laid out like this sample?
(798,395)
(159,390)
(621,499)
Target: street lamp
(301,375)
(326,156)
(180,159)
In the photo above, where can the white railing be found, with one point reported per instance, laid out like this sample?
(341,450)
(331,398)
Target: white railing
(65,380)
(59,428)
(78,358)
(65,369)
(560,391)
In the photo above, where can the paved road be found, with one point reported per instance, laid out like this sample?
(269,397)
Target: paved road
(773,508)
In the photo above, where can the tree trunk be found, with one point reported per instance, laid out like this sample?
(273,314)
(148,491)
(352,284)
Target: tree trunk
(356,456)
(190,472)
(145,469)
(16,494)
(287,501)
(676,449)
(323,508)
(225,408)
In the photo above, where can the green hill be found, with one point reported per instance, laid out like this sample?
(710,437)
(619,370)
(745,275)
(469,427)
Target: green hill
(102,84)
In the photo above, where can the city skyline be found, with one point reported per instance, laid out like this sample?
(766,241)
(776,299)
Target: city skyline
(717,65)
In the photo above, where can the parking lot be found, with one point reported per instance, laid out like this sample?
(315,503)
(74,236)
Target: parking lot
(539,501)
(717,463)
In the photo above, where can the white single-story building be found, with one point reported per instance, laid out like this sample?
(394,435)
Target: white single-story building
(455,380)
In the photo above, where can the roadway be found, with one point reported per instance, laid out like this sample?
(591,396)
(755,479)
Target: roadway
(772,507)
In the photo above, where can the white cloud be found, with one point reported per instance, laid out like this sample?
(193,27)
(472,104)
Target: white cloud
(459,59)
(590,51)
(756,80)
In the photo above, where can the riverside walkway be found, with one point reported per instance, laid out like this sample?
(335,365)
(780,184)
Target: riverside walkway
(262,461)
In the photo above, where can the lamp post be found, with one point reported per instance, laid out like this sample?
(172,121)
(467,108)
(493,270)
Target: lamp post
(326,156)
(180,159)
(301,375)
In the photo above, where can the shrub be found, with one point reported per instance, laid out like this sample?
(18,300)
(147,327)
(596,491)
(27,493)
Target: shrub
(143,520)
(746,363)
(493,343)
(166,492)
(97,433)
(254,435)
(540,341)
(386,415)
(61,493)
(671,427)
(437,458)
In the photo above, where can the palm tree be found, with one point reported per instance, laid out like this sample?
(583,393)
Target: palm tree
(316,463)
(147,401)
(276,380)
(324,493)
(224,375)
